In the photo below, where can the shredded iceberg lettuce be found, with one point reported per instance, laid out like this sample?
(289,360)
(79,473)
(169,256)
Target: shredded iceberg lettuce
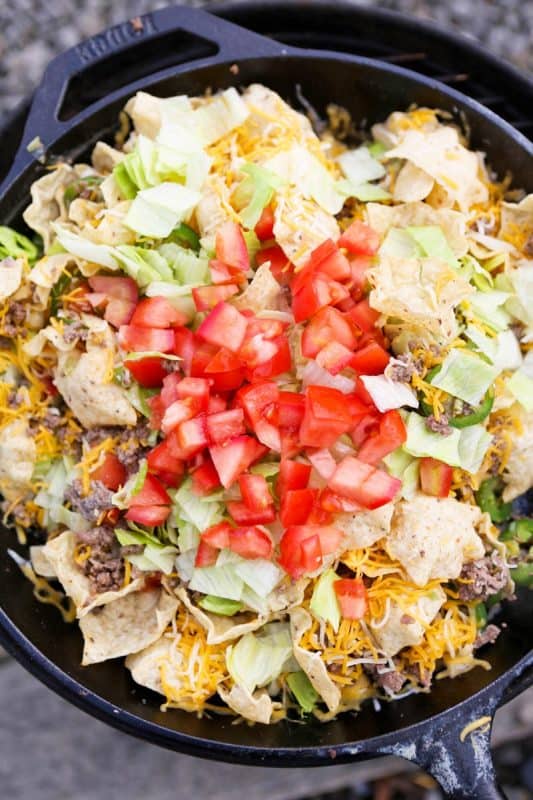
(255,192)
(465,375)
(388,394)
(360,165)
(187,267)
(258,659)
(433,243)
(155,212)
(220,605)
(521,387)
(190,508)
(324,603)
(474,442)
(303,690)
(100,254)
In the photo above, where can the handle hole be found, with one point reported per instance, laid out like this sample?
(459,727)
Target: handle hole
(120,69)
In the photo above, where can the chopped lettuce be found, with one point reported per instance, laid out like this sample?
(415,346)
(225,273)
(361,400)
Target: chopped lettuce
(360,165)
(423,442)
(303,690)
(521,387)
(489,308)
(324,603)
(388,394)
(259,574)
(258,659)
(465,375)
(474,442)
(155,212)
(185,564)
(220,605)
(220,580)
(187,267)
(142,265)
(188,536)
(189,507)
(520,304)
(365,192)
(80,247)
(255,192)
(502,350)
(266,468)
(155,558)
(303,170)
(401,464)
(472,270)
(433,243)
(398,244)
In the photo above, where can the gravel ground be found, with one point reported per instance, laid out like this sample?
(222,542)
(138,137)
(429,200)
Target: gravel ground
(32,31)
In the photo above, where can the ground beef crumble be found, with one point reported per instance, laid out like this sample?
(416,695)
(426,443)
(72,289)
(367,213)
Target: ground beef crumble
(439,425)
(487,636)
(392,681)
(483,578)
(105,565)
(90,507)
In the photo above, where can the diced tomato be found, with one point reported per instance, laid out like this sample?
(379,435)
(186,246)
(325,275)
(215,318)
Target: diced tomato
(148,515)
(258,400)
(292,475)
(216,404)
(370,359)
(255,492)
(217,535)
(192,434)
(202,354)
(336,504)
(296,506)
(225,326)
(162,460)
(205,479)
(326,417)
(206,555)
(358,280)
(360,239)
(365,426)
(363,316)
(317,292)
(157,312)
(157,410)
(234,458)
(133,337)
(363,483)
(323,462)
(179,411)
(250,542)
(310,554)
(291,408)
(169,392)
(334,357)
(149,372)
(280,362)
(291,558)
(435,477)
(184,348)
(329,325)
(207,297)
(119,287)
(351,594)
(247,516)
(391,434)
(152,493)
(362,396)
(290,444)
(280,266)
(110,472)
(228,381)
(264,229)
(230,247)
(257,350)
(220,273)
(223,361)
(195,391)
(326,259)
(225,425)
(119,312)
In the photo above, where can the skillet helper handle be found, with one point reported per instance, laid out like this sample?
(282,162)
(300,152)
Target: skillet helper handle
(231,42)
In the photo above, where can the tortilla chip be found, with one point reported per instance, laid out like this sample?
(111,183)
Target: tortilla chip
(59,553)
(126,625)
(48,204)
(104,157)
(300,225)
(412,184)
(364,528)
(40,563)
(221,629)
(18,456)
(440,154)
(518,474)
(453,223)
(287,594)
(145,666)
(517,222)
(256,707)
(406,624)
(11,272)
(433,537)
(422,293)
(263,293)
(311,663)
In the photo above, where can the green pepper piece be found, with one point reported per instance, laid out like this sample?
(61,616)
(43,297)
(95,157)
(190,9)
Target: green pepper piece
(184,234)
(522,575)
(488,498)
(522,530)
(480,413)
(481,615)
(494,599)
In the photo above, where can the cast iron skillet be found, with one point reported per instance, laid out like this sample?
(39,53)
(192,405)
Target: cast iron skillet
(423,728)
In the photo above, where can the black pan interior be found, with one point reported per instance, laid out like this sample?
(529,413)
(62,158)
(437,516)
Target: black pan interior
(370,94)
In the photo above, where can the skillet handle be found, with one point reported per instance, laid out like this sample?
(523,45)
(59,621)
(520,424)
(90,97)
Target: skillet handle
(231,42)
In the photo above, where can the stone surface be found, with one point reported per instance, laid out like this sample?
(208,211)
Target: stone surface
(33,31)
